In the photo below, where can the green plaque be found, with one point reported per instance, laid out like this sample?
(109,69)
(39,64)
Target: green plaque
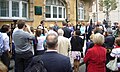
(38,10)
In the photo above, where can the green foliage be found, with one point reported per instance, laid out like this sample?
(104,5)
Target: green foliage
(109,5)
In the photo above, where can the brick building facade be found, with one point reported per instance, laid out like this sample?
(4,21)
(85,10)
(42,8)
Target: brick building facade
(33,11)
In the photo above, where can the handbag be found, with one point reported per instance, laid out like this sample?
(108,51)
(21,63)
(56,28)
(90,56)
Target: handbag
(112,65)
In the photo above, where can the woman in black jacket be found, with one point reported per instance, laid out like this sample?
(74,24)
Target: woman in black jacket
(77,44)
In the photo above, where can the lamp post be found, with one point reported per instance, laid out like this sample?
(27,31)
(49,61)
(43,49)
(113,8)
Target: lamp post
(76,11)
(97,10)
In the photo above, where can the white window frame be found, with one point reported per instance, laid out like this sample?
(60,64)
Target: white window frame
(8,9)
(27,9)
(58,19)
(81,17)
(20,10)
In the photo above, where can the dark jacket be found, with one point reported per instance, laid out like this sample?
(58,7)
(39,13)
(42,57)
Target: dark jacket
(67,32)
(77,43)
(109,41)
(78,27)
(89,32)
(55,62)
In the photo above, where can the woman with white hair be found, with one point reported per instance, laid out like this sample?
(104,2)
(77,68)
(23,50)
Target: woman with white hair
(96,56)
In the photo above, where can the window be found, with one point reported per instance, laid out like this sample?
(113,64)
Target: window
(4,8)
(24,9)
(55,9)
(60,12)
(81,12)
(48,12)
(54,12)
(13,9)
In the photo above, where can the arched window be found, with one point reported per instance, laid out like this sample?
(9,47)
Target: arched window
(13,9)
(81,12)
(55,9)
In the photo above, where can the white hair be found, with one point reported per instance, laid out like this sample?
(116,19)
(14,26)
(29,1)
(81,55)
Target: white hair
(60,32)
(98,39)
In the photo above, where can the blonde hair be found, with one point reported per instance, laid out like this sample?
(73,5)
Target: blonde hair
(98,39)
(91,37)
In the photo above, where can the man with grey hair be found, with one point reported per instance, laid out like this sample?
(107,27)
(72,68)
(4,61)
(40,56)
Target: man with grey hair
(109,39)
(53,61)
(63,43)
(109,44)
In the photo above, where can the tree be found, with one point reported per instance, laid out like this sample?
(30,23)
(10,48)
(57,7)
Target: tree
(108,5)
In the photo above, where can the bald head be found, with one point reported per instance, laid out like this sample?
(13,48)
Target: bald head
(51,40)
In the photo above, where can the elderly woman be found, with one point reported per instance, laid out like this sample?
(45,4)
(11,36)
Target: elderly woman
(116,52)
(96,56)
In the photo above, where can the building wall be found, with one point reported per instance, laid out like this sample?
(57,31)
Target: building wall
(34,20)
(38,18)
(73,11)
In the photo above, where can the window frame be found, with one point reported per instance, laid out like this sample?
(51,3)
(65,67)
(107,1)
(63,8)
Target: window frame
(20,10)
(58,19)
(5,9)
(81,11)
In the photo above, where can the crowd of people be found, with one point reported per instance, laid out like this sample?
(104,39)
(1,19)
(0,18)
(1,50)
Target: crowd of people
(61,48)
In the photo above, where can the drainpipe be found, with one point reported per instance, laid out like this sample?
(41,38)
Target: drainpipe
(97,10)
(76,11)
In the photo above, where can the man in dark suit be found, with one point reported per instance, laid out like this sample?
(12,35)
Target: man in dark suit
(88,31)
(53,61)
(109,44)
(78,25)
(67,31)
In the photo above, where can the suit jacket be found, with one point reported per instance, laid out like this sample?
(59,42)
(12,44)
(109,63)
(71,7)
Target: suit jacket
(67,32)
(55,62)
(109,41)
(88,30)
(96,59)
(78,27)
(63,45)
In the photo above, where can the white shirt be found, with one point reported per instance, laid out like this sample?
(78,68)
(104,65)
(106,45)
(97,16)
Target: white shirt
(40,42)
(116,53)
(6,41)
(82,29)
(15,29)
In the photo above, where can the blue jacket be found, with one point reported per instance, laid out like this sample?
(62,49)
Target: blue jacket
(55,62)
